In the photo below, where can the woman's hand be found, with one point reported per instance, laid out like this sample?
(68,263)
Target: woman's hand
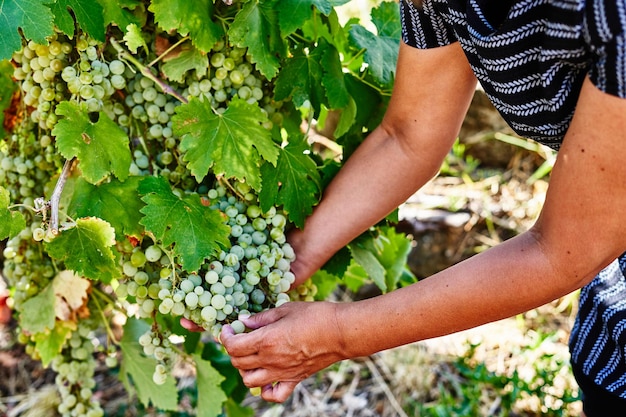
(287,344)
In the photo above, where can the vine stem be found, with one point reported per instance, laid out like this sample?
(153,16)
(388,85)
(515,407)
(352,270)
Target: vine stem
(167,51)
(105,322)
(146,72)
(56,195)
(228,185)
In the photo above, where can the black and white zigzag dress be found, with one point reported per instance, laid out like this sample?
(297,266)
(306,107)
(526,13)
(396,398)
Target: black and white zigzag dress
(531,57)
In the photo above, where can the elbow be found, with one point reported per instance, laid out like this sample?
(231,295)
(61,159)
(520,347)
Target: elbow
(572,261)
(425,146)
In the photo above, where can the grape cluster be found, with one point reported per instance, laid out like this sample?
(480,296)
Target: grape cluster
(157,344)
(252,275)
(231,74)
(38,70)
(75,368)
(27,268)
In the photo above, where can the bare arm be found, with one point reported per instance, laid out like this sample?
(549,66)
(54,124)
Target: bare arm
(579,232)
(432,92)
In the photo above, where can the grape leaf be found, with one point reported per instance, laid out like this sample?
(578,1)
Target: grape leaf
(333,79)
(346,118)
(386,18)
(86,249)
(88,14)
(50,344)
(138,368)
(232,386)
(293,13)
(188,59)
(301,79)
(294,183)
(355,276)
(116,202)
(134,38)
(31,16)
(37,313)
(118,13)
(370,263)
(393,251)
(232,144)
(256,28)
(7,89)
(381,52)
(235,409)
(196,231)
(11,222)
(210,394)
(102,147)
(193,18)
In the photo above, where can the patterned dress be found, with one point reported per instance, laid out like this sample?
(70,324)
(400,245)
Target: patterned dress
(531,58)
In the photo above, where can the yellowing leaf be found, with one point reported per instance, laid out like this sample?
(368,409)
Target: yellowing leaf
(71,293)
(50,343)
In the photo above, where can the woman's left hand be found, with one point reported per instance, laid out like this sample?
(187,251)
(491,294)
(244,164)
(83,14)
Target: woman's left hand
(287,344)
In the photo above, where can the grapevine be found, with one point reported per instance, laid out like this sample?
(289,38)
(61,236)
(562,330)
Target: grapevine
(152,168)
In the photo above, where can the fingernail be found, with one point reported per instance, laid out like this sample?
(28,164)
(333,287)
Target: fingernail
(243,316)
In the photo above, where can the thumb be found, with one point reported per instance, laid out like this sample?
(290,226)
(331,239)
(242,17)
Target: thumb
(263,318)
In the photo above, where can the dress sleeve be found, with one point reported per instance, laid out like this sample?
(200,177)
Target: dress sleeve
(423,25)
(605,34)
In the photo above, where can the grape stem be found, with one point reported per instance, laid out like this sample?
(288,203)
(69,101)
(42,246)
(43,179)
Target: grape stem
(110,334)
(167,51)
(146,72)
(224,182)
(56,195)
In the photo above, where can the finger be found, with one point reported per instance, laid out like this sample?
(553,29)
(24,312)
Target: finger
(190,325)
(278,392)
(225,334)
(260,377)
(237,345)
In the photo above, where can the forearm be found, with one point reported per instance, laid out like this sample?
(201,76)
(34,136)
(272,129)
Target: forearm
(378,177)
(511,278)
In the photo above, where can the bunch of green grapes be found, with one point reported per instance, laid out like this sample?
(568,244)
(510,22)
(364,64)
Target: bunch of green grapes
(231,74)
(38,69)
(75,367)
(253,274)
(26,166)
(156,343)
(28,271)
(27,268)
